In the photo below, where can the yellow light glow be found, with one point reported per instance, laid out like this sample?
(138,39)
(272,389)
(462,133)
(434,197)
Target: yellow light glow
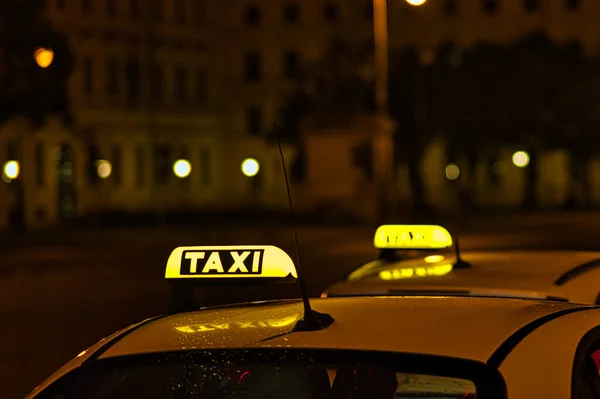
(182,168)
(43,57)
(412,237)
(236,262)
(434,258)
(452,171)
(520,159)
(416,2)
(82,353)
(273,323)
(11,170)
(250,167)
(399,274)
(103,168)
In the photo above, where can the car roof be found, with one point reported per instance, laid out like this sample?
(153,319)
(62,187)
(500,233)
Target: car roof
(461,327)
(519,270)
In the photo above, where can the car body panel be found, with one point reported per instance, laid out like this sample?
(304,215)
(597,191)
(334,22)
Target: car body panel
(551,362)
(83,357)
(362,323)
(526,271)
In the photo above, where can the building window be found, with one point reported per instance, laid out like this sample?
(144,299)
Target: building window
(331,12)
(252,70)
(162,158)
(179,11)
(252,15)
(531,5)
(205,172)
(369,10)
(572,4)
(200,12)
(111,7)
(86,5)
(157,9)
(291,13)
(39,164)
(134,8)
(115,155)
(88,75)
(254,121)
(490,6)
(158,82)
(180,77)
(139,166)
(450,7)
(61,4)
(113,78)
(202,85)
(291,62)
(132,77)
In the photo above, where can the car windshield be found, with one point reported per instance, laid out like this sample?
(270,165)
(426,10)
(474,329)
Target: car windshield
(274,374)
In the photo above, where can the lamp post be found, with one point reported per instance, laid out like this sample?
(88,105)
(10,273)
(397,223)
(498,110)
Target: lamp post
(383,143)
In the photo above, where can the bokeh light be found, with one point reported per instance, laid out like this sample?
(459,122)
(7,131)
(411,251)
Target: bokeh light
(452,171)
(11,170)
(104,168)
(43,57)
(416,2)
(520,159)
(182,168)
(250,167)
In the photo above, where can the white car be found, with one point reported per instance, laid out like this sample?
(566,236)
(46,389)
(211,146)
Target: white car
(430,270)
(350,347)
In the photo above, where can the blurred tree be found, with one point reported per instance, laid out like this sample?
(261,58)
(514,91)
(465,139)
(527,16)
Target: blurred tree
(25,87)
(533,93)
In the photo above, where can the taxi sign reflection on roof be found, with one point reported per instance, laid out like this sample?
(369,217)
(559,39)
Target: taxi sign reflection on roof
(412,237)
(230,262)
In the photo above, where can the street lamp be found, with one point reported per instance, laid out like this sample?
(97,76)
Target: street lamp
(383,144)
(11,170)
(250,167)
(182,168)
(103,168)
(43,57)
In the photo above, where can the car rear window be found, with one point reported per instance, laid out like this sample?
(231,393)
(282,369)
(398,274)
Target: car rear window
(271,374)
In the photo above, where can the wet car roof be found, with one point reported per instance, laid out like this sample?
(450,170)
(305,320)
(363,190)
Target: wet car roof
(470,328)
(526,270)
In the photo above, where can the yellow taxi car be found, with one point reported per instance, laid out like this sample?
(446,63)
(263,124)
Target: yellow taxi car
(351,347)
(425,260)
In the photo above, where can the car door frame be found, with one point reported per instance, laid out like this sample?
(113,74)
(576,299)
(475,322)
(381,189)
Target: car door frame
(570,333)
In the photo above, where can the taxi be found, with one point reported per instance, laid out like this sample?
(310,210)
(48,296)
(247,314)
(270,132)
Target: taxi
(350,347)
(426,260)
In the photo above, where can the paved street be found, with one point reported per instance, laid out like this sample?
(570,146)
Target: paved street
(62,293)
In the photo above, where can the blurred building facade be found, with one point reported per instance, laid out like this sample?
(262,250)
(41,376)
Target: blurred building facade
(160,80)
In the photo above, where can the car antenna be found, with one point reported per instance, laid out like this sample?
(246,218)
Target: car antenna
(312,320)
(459,264)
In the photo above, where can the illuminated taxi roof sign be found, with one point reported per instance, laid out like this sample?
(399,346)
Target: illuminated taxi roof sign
(391,236)
(250,262)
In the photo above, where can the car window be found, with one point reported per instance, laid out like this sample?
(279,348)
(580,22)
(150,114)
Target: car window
(281,374)
(586,370)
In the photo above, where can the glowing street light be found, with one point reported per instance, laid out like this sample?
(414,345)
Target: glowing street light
(43,57)
(416,2)
(250,167)
(452,171)
(182,168)
(103,168)
(11,170)
(520,159)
